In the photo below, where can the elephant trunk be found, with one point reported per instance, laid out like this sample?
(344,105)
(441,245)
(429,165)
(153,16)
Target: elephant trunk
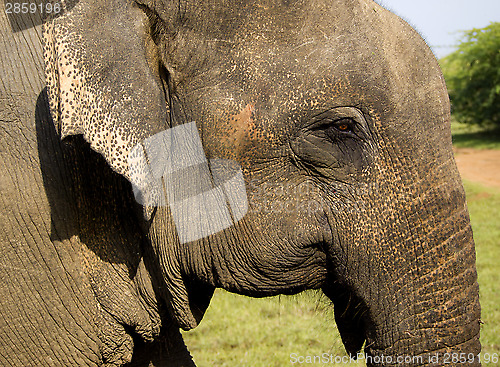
(434,318)
(409,285)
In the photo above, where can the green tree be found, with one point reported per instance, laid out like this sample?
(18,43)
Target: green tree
(472,74)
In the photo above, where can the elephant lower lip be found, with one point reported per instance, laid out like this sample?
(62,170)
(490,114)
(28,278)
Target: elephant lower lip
(349,312)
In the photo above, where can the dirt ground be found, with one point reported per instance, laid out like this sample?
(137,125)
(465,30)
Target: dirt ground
(481,166)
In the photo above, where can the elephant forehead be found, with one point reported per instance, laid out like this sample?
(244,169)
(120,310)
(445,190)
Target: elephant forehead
(293,66)
(372,59)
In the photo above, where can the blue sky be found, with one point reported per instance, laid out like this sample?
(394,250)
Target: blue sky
(440,21)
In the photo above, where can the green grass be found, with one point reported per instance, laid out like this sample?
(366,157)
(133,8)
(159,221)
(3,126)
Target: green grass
(475,136)
(239,331)
(484,208)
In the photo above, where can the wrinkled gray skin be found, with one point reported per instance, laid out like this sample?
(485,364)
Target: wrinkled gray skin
(338,115)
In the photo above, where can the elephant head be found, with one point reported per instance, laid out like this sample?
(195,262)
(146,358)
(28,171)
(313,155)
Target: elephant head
(336,115)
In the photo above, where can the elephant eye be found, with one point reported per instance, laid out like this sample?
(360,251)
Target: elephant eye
(337,129)
(338,124)
(344,125)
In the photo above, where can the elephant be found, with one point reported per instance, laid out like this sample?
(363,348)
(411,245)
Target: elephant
(332,122)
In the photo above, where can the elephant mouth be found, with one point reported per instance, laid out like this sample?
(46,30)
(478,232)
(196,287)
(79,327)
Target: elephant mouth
(350,315)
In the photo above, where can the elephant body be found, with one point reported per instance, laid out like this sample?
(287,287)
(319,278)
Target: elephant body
(334,117)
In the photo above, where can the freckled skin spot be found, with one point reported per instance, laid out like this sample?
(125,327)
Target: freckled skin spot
(242,123)
(240,128)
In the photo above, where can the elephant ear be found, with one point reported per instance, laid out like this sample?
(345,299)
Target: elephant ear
(102,77)
(103,82)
